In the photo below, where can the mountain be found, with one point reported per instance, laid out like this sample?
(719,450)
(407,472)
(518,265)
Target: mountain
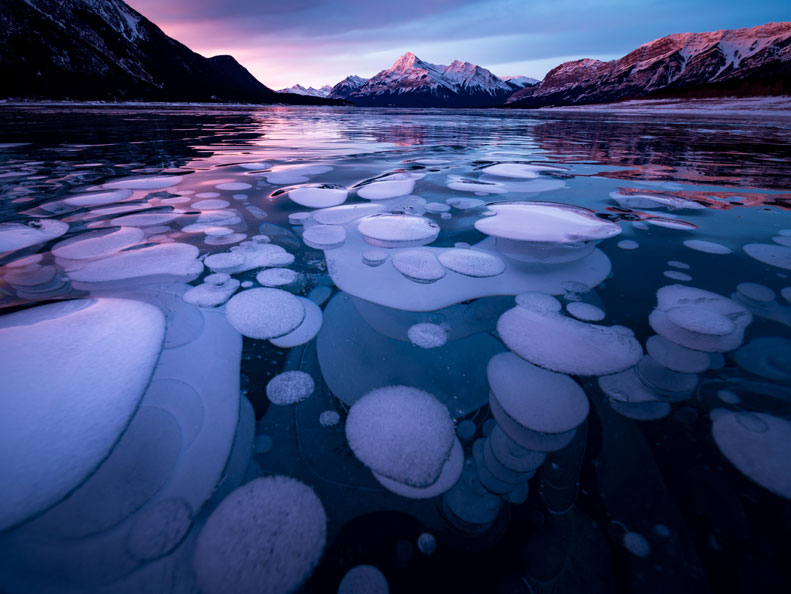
(411,82)
(347,86)
(105,50)
(739,62)
(309,92)
(520,81)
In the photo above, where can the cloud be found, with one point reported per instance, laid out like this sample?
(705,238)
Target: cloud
(316,42)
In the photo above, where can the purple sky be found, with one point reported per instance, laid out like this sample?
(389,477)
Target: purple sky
(316,42)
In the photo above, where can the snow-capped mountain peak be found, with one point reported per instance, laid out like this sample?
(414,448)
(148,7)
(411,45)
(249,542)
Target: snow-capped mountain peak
(412,81)
(308,92)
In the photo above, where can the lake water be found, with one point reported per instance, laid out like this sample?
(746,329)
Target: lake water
(496,351)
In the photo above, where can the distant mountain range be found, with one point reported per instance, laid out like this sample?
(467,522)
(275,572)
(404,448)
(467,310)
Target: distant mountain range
(738,62)
(411,82)
(309,92)
(105,50)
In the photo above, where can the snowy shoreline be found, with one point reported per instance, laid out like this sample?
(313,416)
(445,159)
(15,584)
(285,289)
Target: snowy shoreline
(774,106)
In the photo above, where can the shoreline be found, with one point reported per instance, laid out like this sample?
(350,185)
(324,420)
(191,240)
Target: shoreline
(753,106)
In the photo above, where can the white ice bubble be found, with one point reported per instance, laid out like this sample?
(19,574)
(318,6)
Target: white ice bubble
(170,260)
(699,318)
(628,244)
(340,215)
(676,357)
(676,275)
(649,201)
(466,203)
(518,170)
(538,301)
(427,336)
(475,263)
(151,182)
(401,433)
(436,207)
(636,544)
(211,204)
(74,374)
(306,331)
(585,311)
(397,230)
(295,174)
(98,244)
(211,294)
(390,186)
(677,264)
(363,579)
(375,257)
(290,387)
(264,313)
(708,247)
(758,445)
(329,418)
(207,195)
(298,218)
(563,344)
(234,186)
(145,219)
(756,292)
(463,184)
(544,231)
(319,196)
(98,198)
(276,277)
(324,237)
(421,266)
(255,166)
(773,255)
(426,543)
(268,533)
(15,236)
(538,399)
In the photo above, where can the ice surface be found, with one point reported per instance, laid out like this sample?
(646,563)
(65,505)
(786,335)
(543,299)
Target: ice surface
(295,174)
(290,387)
(269,533)
(559,343)
(264,313)
(401,433)
(73,373)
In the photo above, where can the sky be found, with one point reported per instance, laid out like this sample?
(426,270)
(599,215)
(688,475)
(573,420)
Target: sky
(318,42)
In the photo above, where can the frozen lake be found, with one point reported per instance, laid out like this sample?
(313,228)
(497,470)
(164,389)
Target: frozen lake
(492,351)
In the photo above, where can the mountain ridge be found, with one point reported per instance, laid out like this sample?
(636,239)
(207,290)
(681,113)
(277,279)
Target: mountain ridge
(741,62)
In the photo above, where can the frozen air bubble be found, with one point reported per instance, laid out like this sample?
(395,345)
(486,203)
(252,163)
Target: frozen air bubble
(628,244)
(585,311)
(264,313)
(290,387)
(474,263)
(427,336)
(363,579)
(397,230)
(329,418)
(319,196)
(708,247)
(234,186)
(276,277)
(420,266)
(375,257)
(676,275)
(324,237)
(636,544)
